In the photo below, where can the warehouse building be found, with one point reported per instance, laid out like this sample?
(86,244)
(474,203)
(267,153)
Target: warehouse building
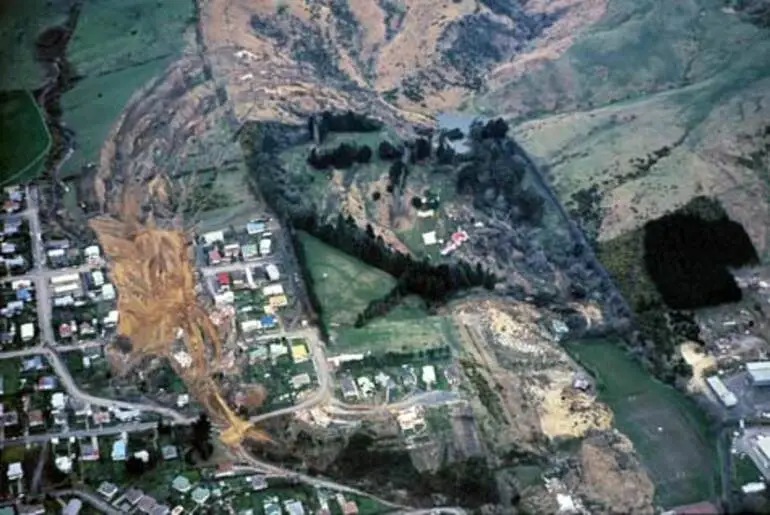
(759,372)
(724,395)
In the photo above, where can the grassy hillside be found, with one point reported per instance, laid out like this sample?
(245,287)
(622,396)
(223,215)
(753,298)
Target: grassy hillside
(656,103)
(117,47)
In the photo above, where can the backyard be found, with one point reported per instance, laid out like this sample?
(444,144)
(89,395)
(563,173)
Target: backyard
(668,430)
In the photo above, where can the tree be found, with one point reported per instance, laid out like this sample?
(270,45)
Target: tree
(364,154)
(388,152)
(201,437)
(417,202)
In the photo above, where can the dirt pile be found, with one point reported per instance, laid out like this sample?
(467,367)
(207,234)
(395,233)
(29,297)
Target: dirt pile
(610,478)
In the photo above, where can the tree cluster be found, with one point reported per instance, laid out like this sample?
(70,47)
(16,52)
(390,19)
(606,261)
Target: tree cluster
(342,157)
(494,175)
(687,257)
(340,122)
(433,283)
(307,277)
(397,175)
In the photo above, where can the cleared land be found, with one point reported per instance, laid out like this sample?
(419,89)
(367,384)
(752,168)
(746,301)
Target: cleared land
(668,430)
(117,47)
(343,284)
(25,137)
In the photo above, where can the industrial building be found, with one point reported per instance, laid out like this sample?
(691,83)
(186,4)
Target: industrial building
(724,395)
(759,372)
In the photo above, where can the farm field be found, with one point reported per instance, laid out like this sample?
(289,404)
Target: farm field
(343,284)
(117,48)
(669,432)
(26,139)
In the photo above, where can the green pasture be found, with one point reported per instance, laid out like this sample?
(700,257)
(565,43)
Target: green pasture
(670,433)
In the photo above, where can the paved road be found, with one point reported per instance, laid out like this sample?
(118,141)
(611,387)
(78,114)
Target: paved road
(82,433)
(260,467)
(88,497)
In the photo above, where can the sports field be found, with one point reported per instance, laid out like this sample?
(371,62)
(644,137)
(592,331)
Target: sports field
(343,284)
(25,140)
(670,433)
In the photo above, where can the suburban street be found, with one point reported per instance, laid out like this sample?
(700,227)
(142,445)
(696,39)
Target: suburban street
(41,277)
(81,433)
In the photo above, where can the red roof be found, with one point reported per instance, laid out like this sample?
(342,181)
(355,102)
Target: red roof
(214,255)
(223,278)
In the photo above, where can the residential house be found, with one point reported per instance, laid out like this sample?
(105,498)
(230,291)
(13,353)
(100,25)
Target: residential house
(429,375)
(181,484)
(46,383)
(73,507)
(349,390)
(265,246)
(27,331)
(169,452)
(272,273)
(133,496)
(294,507)
(213,237)
(255,227)
(250,251)
(215,257)
(111,320)
(35,418)
(272,289)
(300,380)
(258,482)
(107,490)
(299,352)
(146,504)
(232,250)
(366,385)
(101,417)
(15,471)
(58,401)
(92,254)
(108,292)
(10,418)
(89,449)
(200,495)
(223,279)
(160,509)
